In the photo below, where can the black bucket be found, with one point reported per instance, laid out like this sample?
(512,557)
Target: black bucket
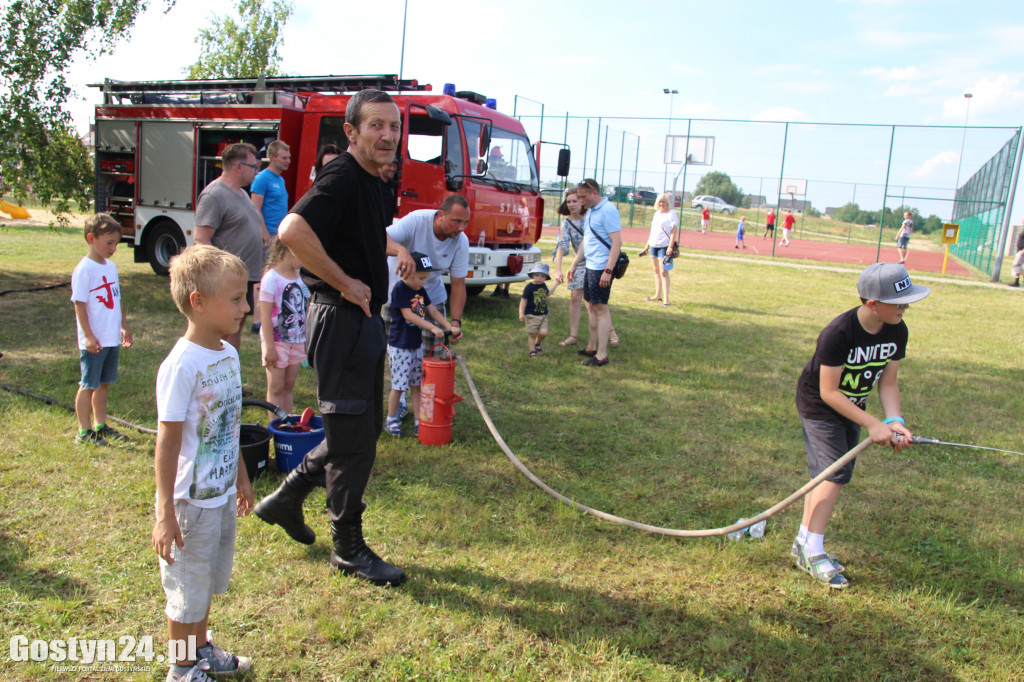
(255,444)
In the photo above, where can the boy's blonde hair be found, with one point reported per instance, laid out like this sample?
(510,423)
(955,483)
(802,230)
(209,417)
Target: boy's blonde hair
(100,224)
(201,268)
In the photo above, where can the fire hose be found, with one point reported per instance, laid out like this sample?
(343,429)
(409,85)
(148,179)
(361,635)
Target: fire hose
(696,533)
(699,533)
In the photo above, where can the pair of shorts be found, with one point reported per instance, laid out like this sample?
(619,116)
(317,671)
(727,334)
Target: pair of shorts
(704,222)
(406,367)
(203,568)
(536,324)
(827,440)
(658,251)
(288,353)
(903,242)
(1018,264)
(769,228)
(593,292)
(99,368)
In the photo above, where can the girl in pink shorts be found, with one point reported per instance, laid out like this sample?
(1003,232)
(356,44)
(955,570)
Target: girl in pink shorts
(283,300)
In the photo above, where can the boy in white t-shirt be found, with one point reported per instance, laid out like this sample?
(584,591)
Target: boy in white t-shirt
(197,462)
(96,295)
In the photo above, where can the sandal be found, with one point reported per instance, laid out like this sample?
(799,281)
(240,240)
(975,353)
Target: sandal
(587,352)
(571,341)
(651,298)
(796,551)
(613,338)
(534,353)
(823,570)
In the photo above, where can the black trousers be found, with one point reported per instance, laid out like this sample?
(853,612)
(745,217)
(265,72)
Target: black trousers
(347,350)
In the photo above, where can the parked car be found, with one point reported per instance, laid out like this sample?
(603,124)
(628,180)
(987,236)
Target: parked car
(645,197)
(620,193)
(713,203)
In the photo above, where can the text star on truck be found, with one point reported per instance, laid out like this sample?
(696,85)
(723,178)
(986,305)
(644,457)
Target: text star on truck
(158,144)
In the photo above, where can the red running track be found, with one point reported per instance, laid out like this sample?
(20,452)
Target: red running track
(800,249)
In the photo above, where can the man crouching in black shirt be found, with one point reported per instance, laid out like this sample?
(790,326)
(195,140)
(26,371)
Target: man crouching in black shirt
(337,232)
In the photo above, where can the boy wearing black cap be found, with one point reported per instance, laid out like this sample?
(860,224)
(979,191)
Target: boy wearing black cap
(410,308)
(857,350)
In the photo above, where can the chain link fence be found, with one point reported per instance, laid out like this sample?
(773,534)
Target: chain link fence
(879,169)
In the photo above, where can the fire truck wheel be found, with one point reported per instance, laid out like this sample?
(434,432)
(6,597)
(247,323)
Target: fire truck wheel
(474,291)
(164,242)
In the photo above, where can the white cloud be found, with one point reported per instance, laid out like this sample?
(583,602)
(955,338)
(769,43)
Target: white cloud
(991,96)
(939,161)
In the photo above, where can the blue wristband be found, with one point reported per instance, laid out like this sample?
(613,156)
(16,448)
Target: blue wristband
(890,420)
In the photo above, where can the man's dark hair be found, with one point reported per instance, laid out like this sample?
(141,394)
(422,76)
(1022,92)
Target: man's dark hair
(590,184)
(236,153)
(354,110)
(452,200)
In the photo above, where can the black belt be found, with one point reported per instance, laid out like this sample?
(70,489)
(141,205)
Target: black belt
(335,298)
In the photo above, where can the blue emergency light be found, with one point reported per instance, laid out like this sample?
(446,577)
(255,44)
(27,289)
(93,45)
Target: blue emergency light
(491,103)
(449,89)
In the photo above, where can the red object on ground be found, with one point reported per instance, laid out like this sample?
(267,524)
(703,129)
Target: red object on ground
(437,399)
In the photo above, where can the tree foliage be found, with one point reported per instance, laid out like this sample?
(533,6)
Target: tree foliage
(39,39)
(720,185)
(852,213)
(243,48)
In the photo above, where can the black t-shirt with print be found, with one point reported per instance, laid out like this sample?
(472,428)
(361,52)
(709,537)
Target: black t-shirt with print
(863,356)
(536,296)
(345,208)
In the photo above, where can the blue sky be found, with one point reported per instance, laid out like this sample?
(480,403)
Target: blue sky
(856,61)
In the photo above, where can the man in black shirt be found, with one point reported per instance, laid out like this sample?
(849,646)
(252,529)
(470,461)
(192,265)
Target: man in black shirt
(337,231)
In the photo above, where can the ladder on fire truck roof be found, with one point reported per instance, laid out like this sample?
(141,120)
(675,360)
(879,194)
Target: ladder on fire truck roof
(114,91)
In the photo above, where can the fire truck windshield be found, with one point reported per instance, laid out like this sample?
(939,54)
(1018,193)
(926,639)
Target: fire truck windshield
(509,160)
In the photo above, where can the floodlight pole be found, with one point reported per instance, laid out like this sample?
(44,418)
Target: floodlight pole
(401,61)
(960,159)
(885,196)
(671,100)
(782,174)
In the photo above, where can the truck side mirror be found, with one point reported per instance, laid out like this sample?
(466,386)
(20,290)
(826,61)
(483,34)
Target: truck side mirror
(563,162)
(437,114)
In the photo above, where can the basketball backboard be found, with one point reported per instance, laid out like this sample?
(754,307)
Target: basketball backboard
(793,186)
(700,151)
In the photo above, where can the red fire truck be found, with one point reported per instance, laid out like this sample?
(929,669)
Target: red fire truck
(158,145)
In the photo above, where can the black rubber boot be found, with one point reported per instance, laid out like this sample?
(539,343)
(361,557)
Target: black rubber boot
(284,508)
(351,556)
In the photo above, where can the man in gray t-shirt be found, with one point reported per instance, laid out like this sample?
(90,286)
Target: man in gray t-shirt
(440,235)
(226,218)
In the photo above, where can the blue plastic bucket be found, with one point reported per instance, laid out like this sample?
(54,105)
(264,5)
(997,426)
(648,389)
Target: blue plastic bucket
(291,446)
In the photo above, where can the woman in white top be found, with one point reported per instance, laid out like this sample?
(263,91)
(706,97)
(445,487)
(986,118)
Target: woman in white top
(662,225)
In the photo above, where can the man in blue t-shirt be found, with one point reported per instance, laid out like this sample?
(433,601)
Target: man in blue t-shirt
(268,191)
(602,242)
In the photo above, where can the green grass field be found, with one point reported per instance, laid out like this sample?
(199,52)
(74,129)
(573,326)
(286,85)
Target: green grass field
(692,425)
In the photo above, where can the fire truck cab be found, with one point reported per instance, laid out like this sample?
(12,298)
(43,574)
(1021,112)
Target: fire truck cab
(158,145)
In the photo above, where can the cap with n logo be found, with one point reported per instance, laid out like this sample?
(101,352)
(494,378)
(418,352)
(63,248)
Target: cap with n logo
(889,283)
